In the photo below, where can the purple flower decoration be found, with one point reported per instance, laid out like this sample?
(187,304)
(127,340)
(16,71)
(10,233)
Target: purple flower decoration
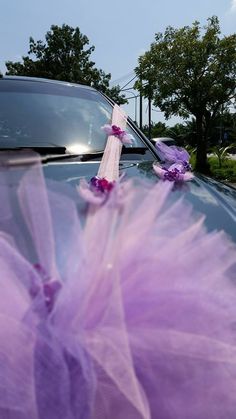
(173,174)
(123,136)
(101,185)
(96,191)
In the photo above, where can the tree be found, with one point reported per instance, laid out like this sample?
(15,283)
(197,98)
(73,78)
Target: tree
(65,55)
(190,71)
(184,134)
(158,129)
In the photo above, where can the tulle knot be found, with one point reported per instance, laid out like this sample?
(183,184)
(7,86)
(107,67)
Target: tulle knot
(49,288)
(42,272)
(123,136)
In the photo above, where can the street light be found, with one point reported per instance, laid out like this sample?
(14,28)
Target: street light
(156,110)
(133,97)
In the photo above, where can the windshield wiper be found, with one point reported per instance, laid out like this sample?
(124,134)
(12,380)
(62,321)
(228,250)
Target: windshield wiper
(38,149)
(134,150)
(56,153)
(22,155)
(79,156)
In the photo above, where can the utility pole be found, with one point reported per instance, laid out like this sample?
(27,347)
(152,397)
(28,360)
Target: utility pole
(149,118)
(141,111)
(141,108)
(135,97)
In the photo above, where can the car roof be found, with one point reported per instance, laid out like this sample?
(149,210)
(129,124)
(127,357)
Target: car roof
(44,80)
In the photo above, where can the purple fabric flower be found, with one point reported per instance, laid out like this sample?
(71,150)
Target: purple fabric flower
(173,174)
(101,185)
(97,191)
(123,136)
(117,131)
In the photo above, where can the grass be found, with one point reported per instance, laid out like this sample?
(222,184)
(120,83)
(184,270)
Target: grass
(227,172)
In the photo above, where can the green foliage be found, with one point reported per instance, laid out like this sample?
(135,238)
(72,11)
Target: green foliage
(192,160)
(191,150)
(221,153)
(190,71)
(65,55)
(157,130)
(184,134)
(227,171)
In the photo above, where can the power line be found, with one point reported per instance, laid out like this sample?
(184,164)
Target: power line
(122,78)
(128,82)
(129,88)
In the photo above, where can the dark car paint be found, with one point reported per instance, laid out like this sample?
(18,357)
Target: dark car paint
(213,199)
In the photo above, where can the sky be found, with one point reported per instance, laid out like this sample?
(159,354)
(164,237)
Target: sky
(120,30)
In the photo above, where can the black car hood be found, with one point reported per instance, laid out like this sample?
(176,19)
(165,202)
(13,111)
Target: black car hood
(213,199)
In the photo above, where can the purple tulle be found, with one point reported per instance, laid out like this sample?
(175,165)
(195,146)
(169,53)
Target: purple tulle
(176,166)
(123,312)
(173,154)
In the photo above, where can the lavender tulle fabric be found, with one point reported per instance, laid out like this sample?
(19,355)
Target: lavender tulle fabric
(172,154)
(126,311)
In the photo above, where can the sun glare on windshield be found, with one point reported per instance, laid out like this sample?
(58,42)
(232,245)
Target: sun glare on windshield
(78,149)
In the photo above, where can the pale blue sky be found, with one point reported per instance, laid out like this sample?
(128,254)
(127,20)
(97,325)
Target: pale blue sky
(120,31)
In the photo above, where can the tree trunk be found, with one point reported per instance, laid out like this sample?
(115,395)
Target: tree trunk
(202,164)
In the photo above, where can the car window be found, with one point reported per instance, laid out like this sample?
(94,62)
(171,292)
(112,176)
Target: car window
(43,114)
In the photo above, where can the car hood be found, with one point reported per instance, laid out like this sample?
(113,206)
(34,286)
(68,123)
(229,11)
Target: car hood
(213,199)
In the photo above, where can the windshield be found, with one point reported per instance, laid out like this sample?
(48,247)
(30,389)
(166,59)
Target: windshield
(45,114)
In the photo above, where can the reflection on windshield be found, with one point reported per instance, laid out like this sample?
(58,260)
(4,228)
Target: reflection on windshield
(37,115)
(78,149)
